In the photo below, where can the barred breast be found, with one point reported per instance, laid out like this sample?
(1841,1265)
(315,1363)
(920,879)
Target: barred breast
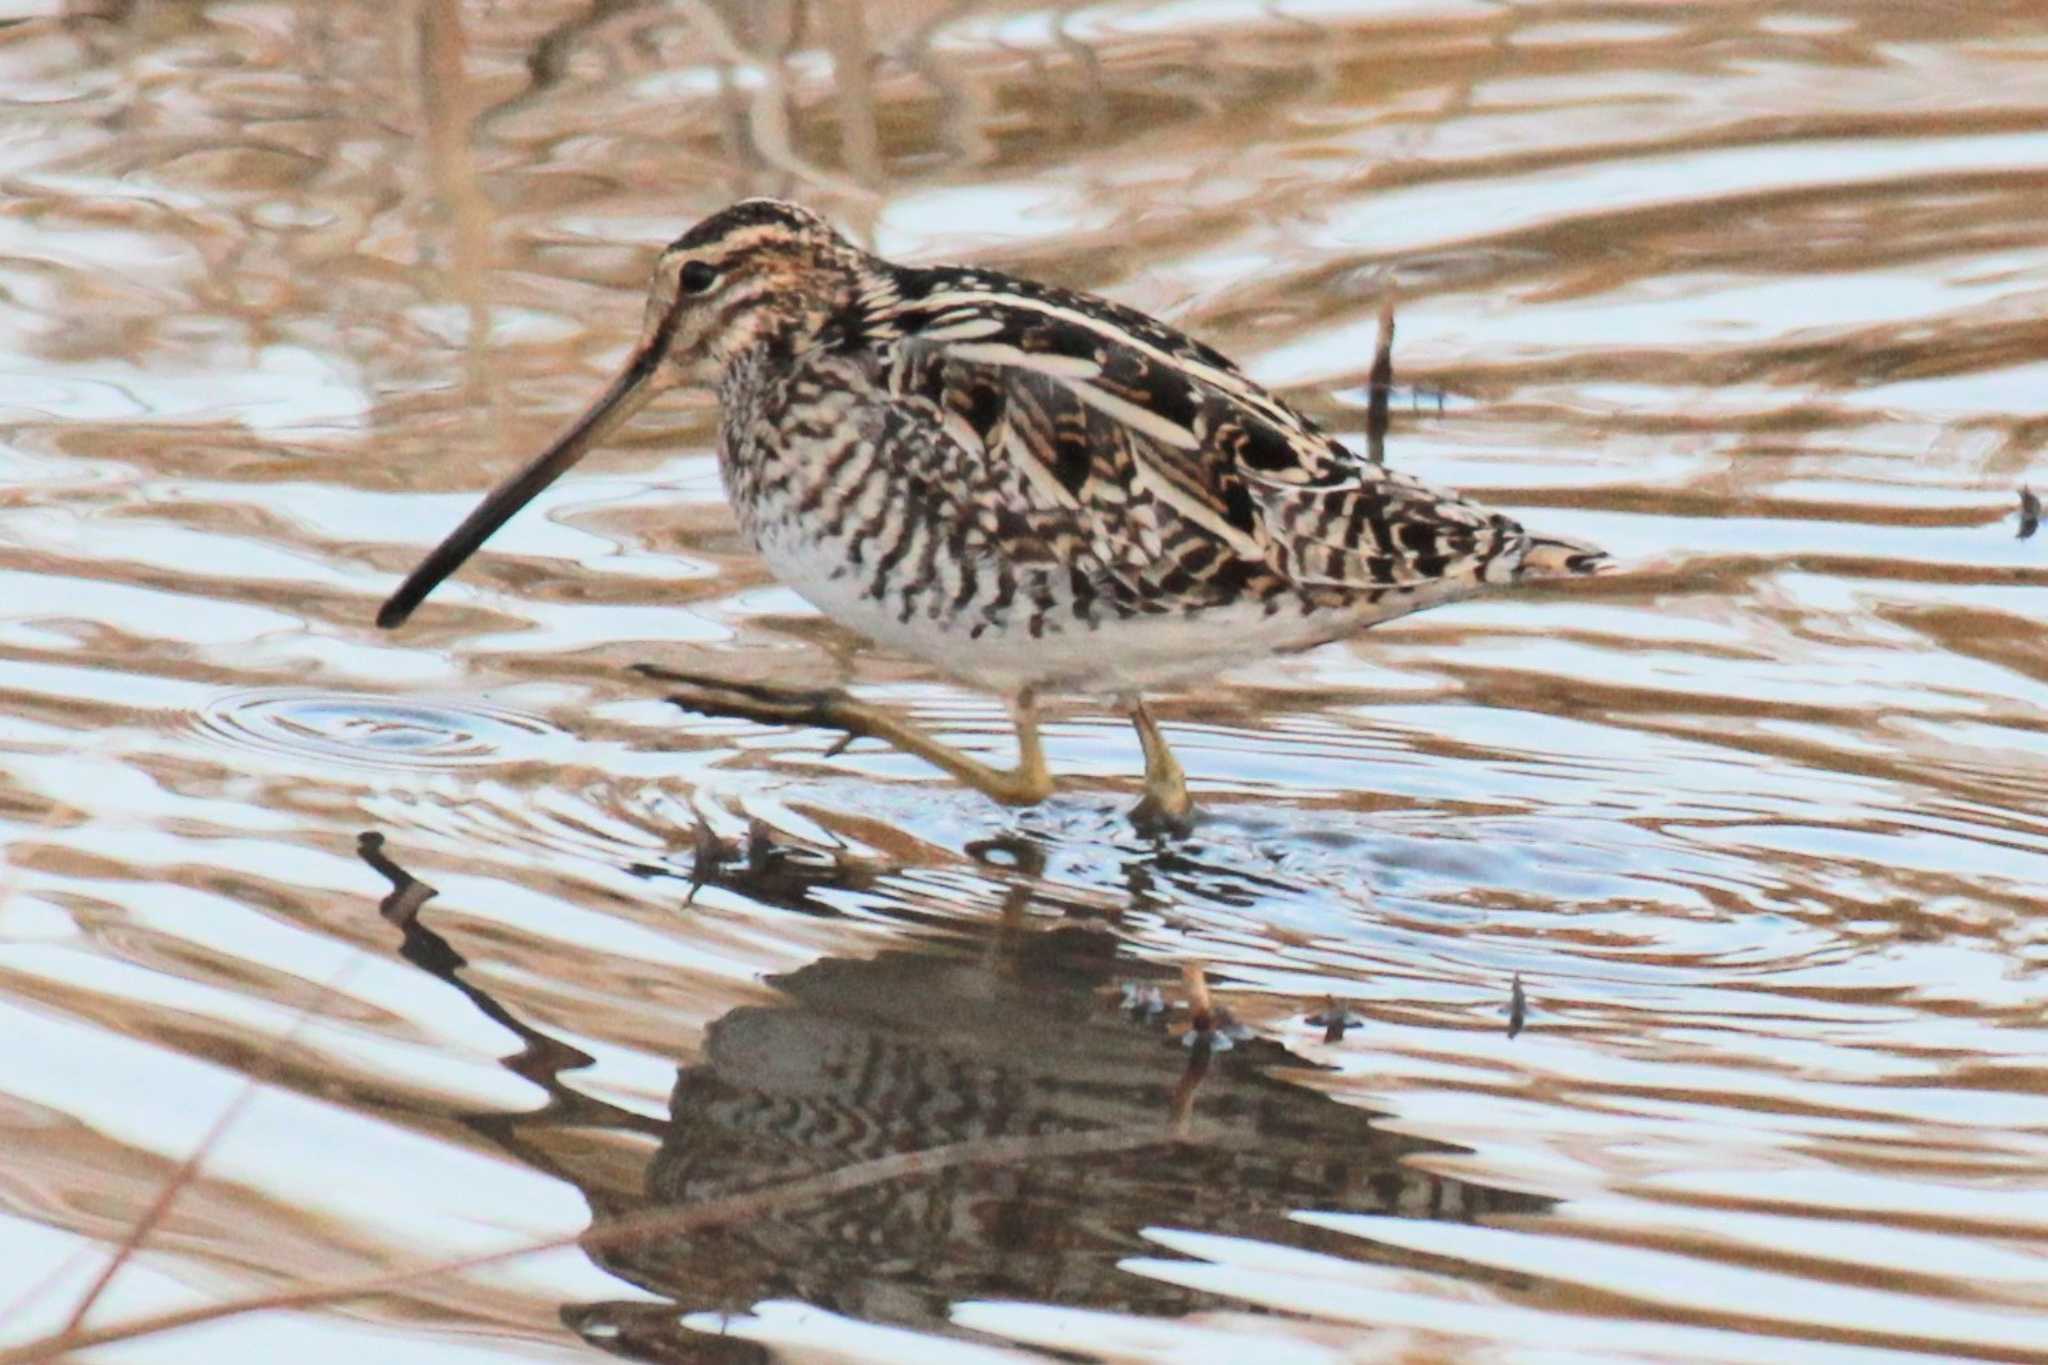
(898,525)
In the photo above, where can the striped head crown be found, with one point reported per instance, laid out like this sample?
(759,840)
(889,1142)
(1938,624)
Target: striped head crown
(761,273)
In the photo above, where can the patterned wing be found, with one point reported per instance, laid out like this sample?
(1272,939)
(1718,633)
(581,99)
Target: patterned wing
(1150,460)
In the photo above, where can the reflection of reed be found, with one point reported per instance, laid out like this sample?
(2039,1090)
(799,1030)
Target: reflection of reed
(963,105)
(853,76)
(763,120)
(1075,1128)
(1168,136)
(547,57)
(447,107)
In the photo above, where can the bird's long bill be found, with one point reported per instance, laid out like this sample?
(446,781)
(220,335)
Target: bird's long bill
(626,396)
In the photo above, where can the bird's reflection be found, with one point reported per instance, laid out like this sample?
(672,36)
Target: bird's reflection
(1003,1036)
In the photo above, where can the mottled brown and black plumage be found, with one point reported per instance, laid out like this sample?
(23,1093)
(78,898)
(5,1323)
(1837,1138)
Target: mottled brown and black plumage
(1032,488)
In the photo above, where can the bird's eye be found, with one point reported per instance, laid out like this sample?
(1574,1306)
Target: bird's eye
(697,277)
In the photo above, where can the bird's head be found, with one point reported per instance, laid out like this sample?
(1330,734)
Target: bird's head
(753,278)
(760,275)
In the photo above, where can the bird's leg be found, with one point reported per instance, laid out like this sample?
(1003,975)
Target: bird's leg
(1165,804)
(831,709)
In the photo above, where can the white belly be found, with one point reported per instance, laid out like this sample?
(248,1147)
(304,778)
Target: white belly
(1109,655)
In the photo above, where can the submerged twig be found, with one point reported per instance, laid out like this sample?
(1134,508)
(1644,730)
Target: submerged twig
(708,853)
(408,893)
(1336,1019)
(1201,1010)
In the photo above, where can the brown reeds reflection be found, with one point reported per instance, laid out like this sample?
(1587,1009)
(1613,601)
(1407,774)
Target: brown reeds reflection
(1002,1047)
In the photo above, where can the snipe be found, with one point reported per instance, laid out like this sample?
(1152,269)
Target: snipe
(1032,489)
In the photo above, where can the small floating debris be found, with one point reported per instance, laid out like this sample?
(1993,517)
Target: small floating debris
(1142,999)
(708,853)
(1518,1007)
(1335,1019)
(1225,1032)
(768,865)
(2030,513)
(1212,1028)
(762,853)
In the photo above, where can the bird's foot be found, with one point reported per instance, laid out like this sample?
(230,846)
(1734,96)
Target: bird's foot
(828,708)
(832,709)
(1159,815)
(1166,809)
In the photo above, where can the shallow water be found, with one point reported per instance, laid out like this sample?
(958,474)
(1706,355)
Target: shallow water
(1754,296)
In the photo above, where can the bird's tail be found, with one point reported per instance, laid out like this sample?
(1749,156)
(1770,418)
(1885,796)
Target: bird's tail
(1551,556)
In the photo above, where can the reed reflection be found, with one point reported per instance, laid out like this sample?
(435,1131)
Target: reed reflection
(994,1034)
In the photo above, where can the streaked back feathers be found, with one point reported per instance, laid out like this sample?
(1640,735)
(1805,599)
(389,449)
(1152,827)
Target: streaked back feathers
(1141,460)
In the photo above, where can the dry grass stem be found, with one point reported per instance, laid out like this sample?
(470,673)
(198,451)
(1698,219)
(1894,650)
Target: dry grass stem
(188,1169)
(654,1223)
(1379,388)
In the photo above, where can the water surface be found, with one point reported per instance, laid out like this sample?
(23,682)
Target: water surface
(1754,296)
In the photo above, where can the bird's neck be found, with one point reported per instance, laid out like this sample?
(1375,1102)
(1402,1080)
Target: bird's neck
(798,315)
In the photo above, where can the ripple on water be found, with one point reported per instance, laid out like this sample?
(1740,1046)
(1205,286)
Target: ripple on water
(1753,837)
(370,732)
